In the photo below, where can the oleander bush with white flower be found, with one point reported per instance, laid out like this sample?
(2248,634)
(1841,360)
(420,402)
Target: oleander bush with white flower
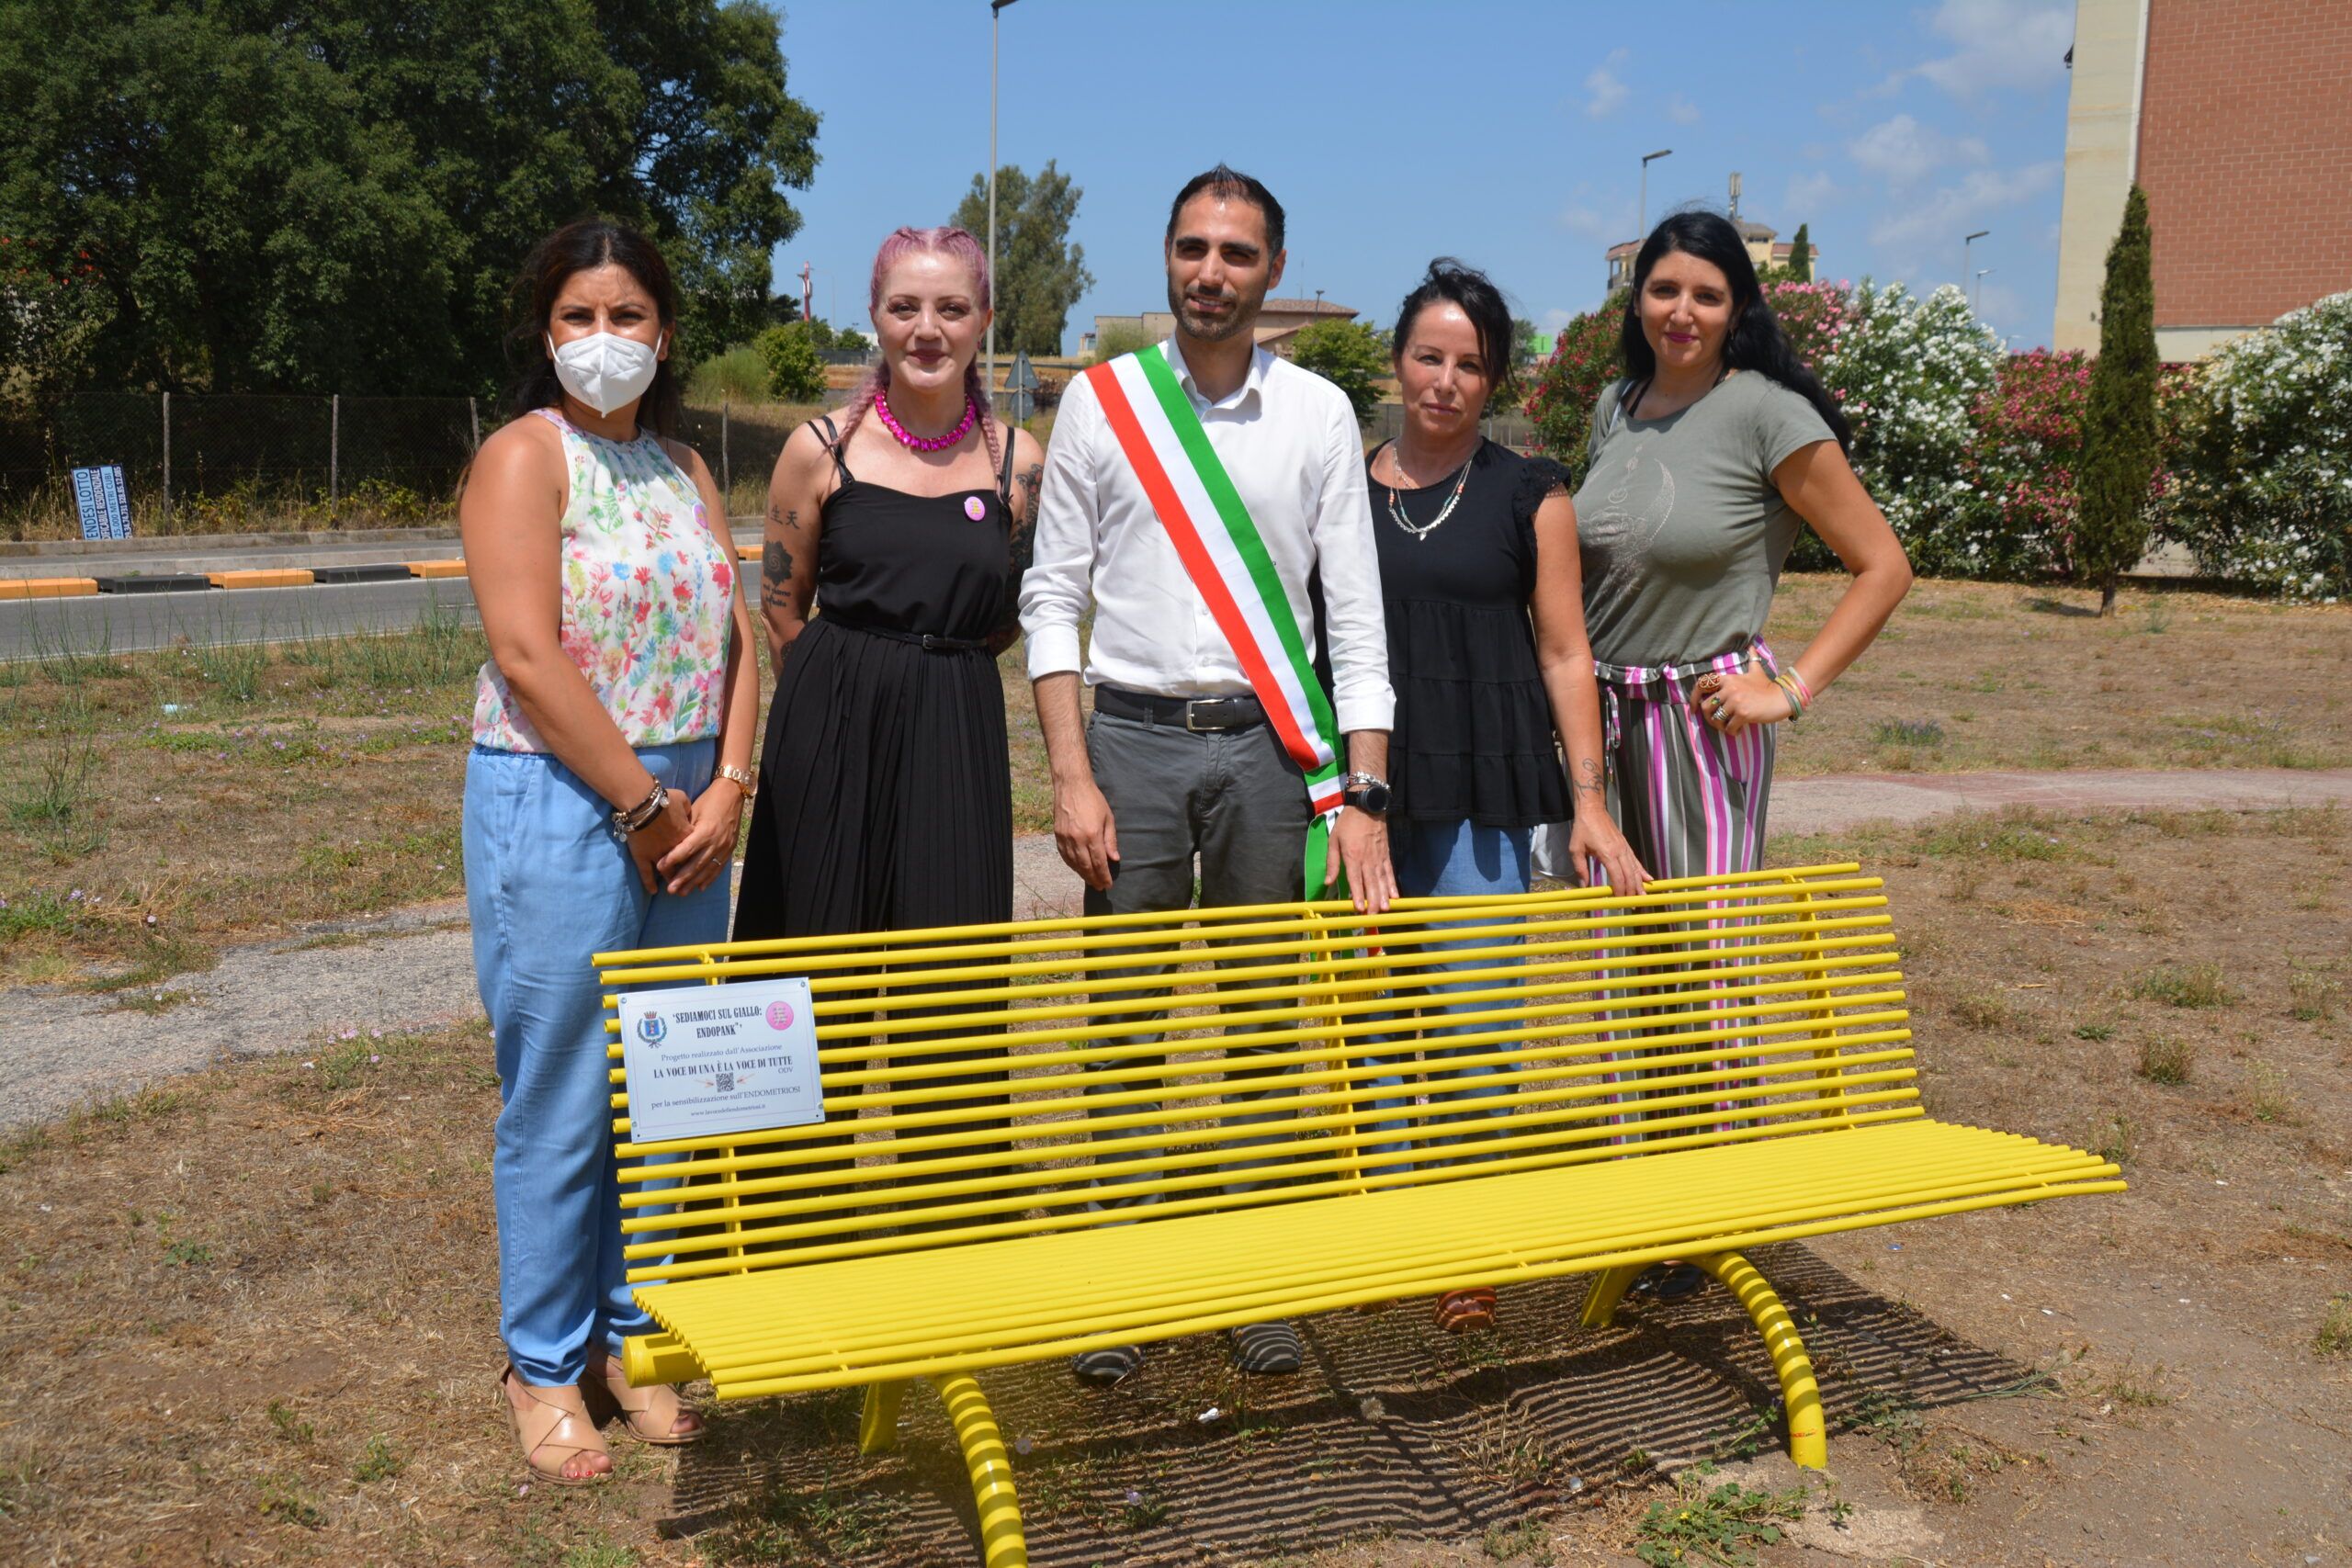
(2261,458)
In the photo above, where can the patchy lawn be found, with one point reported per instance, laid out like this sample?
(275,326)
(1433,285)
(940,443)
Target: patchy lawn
(251,1315)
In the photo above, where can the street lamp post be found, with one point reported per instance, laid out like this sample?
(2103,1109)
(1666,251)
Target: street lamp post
(1976,288)
(996,13)
(1967,241)
(1642,223)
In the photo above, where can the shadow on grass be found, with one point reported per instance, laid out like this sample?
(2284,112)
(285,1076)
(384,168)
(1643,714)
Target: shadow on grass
(1393,1431)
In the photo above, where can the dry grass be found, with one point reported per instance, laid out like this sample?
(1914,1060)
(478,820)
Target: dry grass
(323,779)
(1996,675)
(252,1316)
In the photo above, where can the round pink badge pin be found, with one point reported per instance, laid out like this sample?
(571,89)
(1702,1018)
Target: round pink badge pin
(974,508)
(779,1015)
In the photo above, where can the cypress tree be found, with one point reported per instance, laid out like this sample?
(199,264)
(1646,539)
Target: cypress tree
(1801,257)
(2120,420)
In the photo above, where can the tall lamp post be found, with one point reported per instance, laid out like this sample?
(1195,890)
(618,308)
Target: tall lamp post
(996,14)
(1642,223)
(1978,287)
(1967,241)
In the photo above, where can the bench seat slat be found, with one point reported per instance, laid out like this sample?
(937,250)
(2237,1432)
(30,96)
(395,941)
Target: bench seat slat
(967,1306)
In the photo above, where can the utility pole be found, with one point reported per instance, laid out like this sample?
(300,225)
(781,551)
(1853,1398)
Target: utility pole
(995,27)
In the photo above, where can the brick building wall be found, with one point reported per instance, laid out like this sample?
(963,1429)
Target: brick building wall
(2245,152)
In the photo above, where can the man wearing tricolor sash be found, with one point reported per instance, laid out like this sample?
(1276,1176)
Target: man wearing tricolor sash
(1193,491)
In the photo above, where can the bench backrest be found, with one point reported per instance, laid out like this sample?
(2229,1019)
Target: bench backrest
(980,1082)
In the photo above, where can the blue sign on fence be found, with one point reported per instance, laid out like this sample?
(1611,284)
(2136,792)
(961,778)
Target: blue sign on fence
(104,505)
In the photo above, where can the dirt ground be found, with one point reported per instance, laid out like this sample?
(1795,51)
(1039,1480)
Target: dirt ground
(232,794)
(251,1317)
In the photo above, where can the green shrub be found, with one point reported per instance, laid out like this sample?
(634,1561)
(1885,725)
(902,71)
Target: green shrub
(2120,426)
(795,374)
(2261,462)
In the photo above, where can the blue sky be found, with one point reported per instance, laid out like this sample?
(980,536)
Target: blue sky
(1507,133)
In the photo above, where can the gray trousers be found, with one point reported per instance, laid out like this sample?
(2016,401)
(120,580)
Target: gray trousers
(1233,800)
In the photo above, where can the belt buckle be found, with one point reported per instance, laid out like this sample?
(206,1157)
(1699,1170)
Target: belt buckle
(1190,705)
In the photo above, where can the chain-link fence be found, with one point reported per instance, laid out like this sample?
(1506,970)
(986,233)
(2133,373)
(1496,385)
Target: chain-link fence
(215,463)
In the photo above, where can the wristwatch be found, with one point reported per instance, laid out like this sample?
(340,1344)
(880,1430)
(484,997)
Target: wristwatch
(1368,793)
(741,777)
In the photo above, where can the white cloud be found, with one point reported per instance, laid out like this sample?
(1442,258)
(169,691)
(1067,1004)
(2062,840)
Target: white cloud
(1936,222)
(1901,151)
(1602,227)
(1808,192)
(1996,44)
(1681,111)
(1609,93)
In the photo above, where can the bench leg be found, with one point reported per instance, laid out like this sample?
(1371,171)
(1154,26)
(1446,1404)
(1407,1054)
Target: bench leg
(877,1427)
(1800,1395)
(1002,1544)
(1609,1288)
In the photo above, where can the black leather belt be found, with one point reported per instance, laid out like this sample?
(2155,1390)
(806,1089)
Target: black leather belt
(1202,716)
(929,642)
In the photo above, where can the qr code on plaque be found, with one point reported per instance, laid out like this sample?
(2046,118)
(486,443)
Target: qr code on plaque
(723,1082)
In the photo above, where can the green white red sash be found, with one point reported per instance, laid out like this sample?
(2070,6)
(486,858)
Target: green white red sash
(1163,442)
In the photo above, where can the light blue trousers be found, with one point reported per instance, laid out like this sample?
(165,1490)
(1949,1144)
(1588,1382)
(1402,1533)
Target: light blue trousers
(547,883)
(1436,860)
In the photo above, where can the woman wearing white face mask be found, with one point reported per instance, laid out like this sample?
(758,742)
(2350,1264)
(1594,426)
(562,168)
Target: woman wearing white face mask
(613,731)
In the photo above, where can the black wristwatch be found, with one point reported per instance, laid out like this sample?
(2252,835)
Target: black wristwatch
(1368,793)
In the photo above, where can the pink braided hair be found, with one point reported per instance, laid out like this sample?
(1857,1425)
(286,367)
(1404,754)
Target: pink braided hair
(958,244)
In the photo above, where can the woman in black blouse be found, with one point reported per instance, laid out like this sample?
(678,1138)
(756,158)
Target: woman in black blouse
(1487,648)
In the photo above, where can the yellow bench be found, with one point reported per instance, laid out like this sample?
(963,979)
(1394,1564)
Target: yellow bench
(1713,1064)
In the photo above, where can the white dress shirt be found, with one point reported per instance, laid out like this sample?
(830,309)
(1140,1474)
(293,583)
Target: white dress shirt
(1289,441)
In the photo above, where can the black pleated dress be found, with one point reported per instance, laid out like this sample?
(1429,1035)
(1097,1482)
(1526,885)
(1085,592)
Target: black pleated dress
(885,797)
(1473,738)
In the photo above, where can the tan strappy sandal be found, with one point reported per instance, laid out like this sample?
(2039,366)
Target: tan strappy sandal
(553,1426)
(651,1414)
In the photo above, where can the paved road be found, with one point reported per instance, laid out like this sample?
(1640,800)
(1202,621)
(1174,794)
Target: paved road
(414,968)
(132,622)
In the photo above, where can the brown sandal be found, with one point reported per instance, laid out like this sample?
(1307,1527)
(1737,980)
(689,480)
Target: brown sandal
(651,1414)
(1459,1311)
(555,1421)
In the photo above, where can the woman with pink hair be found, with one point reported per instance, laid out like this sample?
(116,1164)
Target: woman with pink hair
(889,787)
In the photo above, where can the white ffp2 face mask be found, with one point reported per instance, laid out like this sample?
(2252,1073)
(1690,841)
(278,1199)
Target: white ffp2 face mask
(605,371)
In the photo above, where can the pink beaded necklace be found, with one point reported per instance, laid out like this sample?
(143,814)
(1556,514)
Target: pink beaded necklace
(923,443)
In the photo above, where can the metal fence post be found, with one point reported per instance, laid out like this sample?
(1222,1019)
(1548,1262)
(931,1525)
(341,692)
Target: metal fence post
(334,449)
(167,459)
(473,417)
(726,478)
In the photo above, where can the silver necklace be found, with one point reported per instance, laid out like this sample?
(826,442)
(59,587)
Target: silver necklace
(1396,507)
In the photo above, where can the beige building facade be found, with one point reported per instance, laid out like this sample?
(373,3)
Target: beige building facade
(2231,114)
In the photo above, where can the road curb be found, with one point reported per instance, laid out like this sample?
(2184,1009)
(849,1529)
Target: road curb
(48,587)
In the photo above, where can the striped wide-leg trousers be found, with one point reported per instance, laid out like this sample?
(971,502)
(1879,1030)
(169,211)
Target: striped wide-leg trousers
(1691,802)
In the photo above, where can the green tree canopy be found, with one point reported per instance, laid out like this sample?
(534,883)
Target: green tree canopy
(334,194)
(1349,355)
(1800,262)
(1039,274)
(2120,426)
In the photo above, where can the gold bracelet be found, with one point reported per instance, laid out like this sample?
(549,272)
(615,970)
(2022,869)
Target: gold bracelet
(741,777)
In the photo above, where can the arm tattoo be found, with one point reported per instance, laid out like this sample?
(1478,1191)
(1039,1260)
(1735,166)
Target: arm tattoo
(1589,776)
(775,568)
(1027,483)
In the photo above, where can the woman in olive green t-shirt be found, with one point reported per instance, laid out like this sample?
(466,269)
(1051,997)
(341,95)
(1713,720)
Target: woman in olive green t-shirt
(1706,460)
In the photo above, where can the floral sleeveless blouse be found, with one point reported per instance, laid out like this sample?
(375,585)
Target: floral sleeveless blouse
(648,598)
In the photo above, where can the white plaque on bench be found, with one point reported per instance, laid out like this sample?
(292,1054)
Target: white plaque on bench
(705,1060)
